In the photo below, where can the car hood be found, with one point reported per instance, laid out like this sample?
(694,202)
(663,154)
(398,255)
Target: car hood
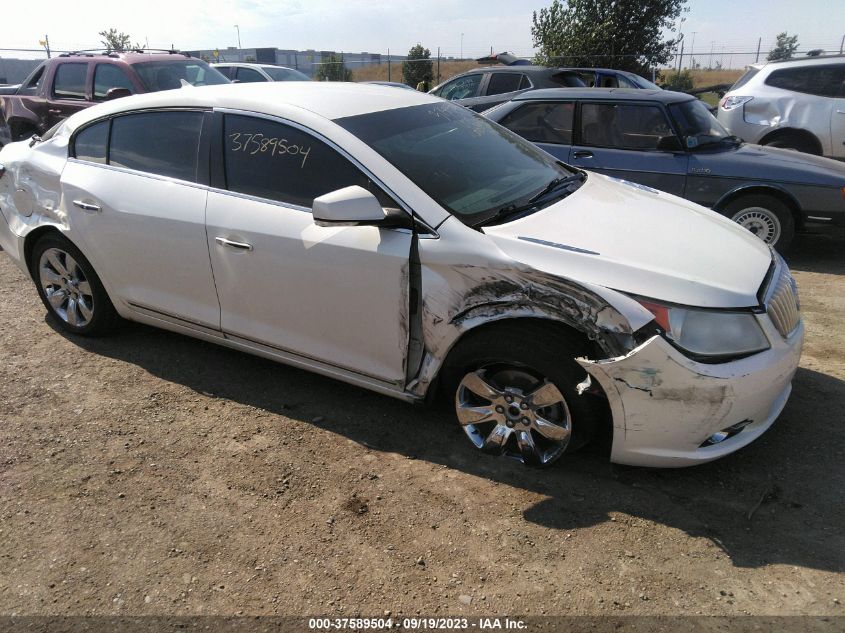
(637,240)
(771,163)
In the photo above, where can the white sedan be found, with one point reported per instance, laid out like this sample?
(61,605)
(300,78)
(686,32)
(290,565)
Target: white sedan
(409,246)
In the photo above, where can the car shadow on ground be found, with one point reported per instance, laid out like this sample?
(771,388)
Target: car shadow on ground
(819,250)
(777,501)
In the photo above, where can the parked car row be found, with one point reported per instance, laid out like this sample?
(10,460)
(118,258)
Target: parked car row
(409,246)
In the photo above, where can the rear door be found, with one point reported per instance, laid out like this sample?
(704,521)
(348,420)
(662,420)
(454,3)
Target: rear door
(500,87)
(248,75)
(70,91)
(336,295)
(620,139)
(139,211)
(546,124)
(837,120)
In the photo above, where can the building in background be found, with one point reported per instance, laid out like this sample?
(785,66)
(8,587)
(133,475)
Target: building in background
(14,71)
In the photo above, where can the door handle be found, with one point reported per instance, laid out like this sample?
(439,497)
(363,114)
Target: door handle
(240,246)
(54,111)
(582,153)
(840,112)
(87,206)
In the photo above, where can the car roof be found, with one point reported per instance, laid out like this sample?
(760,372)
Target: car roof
(818,60)
(328,99)
(250,65)
(617,94)
(130,57)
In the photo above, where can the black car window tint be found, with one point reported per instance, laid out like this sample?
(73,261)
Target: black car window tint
(500,83)
(822,81)
(108,76)
(163,143)
(623,126)
(69,82)
(542,122)
(249,75)
(91,143)
(280,162)
(461,88)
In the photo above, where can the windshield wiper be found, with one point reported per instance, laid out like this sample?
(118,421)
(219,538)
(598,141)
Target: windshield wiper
(558,187)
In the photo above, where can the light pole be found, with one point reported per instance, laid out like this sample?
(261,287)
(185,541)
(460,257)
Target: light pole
(692,51)
(462,45)
(238,29)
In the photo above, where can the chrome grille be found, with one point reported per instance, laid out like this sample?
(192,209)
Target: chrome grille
(784,308)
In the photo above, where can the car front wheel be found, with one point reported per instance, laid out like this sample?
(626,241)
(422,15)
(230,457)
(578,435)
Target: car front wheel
(766,217)
(69,287)
(514,391)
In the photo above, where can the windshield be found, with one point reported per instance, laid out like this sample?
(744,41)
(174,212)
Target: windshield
(167,75)
(472,167)
(697,123)
(285,74)
(642,82)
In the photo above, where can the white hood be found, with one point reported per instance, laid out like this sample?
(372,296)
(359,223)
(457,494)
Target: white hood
(637,240)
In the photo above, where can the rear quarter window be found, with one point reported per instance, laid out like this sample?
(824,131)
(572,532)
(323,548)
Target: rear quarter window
(822,81)
(91,143)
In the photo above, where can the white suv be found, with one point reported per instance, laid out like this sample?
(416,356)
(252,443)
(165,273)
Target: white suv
(797,104)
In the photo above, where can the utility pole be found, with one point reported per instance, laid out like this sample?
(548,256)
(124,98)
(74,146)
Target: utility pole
(238,29)
(438,64)
(462,45)
(759,41)
(46,44)
(388,64)
(692,51)
(842,44)
(710,63)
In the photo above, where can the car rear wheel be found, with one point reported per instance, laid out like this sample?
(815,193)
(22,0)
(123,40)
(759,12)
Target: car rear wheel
(514,391)
(69,287)
(794,141)
(766,217)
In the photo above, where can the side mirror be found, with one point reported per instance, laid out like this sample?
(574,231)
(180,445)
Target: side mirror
(350,206)
(117,93)
(669,144)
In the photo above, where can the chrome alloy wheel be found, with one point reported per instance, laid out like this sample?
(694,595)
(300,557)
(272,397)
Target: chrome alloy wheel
(509,411)
(65,287)
(762,222)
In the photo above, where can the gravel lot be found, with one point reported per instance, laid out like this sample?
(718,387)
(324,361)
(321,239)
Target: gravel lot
(149,473)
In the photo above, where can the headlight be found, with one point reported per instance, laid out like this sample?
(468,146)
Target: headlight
(729,103)
(709,332)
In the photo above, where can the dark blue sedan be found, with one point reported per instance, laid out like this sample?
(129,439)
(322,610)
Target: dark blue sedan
(670,141)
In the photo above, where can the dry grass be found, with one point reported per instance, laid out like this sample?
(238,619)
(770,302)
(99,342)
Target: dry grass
(379,73)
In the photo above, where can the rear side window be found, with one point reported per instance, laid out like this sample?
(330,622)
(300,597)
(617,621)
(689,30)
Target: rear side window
(543,122)
(568,79)
(279,162)
(249,75)
(226,71)
(623,126)
(501,83)
(70,81)
(822,81)
(91,143)
(108,76)
(163,143)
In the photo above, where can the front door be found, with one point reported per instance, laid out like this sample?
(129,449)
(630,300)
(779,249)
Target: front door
(621,140)
(335,295)
(69,93)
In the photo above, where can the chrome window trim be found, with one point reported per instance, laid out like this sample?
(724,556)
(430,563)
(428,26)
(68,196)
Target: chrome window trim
(135,172)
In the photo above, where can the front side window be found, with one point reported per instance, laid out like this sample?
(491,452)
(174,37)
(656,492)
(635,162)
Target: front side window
(249,75)
(91,143)
(500,83)
(163,143)
(168,75)
(108,76)
(69,82)
(623,126)
(461,88)
(696,121)
(542,122)
(473,168)
(279,162)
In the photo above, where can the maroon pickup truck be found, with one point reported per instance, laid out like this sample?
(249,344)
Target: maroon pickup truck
(70,82)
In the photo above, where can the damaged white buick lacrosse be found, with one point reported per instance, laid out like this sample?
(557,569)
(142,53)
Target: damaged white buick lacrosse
(409,246)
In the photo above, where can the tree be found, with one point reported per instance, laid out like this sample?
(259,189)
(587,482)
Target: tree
(622,34)
(114,40)
(784,48)
(418,69)
(333,69)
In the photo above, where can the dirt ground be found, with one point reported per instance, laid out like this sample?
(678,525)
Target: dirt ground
(149,473)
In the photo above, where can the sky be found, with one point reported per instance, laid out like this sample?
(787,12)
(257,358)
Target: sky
(379,25)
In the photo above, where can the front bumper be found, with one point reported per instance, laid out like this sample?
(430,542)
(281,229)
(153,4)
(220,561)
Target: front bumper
(666,406)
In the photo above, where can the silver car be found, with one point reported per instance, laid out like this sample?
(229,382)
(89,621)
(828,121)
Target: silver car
(795,104)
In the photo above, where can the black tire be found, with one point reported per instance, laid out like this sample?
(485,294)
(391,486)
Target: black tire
(761,214)
(547,351)
(103,316)
(797,142)
(23,133)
